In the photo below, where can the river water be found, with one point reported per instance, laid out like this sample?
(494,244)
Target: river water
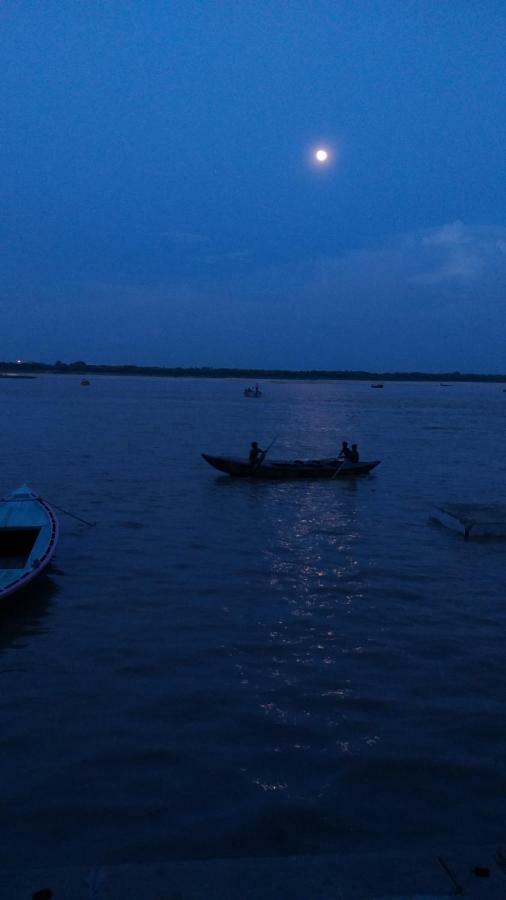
(231,668)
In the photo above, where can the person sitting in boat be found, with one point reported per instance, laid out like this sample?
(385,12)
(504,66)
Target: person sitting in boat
(354,455)
(256,455)
(345,451)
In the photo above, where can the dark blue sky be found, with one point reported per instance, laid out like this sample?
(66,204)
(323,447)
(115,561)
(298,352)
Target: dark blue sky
(160,205)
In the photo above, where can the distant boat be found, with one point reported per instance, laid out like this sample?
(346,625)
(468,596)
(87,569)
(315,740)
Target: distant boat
(444,384)
(376,385)
(253,392)
(298,468)
(28,536)
(85,382)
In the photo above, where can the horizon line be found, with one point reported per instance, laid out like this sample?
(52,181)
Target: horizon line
(80,366)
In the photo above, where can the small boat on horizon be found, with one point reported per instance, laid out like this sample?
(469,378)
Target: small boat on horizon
(85,382)
(253,392)
(28,537)
(298,468)
(376,385)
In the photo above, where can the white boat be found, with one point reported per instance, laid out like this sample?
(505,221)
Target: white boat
(473,519)
(28,537)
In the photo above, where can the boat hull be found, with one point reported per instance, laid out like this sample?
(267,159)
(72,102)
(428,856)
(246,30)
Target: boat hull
(316,468)
(28,538)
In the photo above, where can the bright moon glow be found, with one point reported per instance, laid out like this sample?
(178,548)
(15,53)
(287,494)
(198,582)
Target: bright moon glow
(321,156)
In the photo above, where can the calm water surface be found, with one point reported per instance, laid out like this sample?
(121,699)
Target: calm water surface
(224,668)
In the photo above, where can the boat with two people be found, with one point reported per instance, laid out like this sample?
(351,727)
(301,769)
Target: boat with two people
(253,392)
(334,467)
(28,538)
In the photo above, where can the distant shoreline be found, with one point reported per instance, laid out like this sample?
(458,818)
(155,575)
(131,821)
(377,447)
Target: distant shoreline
(81,368)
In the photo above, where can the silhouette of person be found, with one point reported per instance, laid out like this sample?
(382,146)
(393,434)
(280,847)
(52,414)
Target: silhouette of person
(256,455)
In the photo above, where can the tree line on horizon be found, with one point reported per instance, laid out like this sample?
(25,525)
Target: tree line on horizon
(80,367)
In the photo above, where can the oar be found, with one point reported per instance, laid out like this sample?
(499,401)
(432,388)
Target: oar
(72,516)
(340,466)
(269,447)
(266,452)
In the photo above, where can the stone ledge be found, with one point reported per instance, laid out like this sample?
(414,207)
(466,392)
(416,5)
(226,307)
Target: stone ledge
(478,873)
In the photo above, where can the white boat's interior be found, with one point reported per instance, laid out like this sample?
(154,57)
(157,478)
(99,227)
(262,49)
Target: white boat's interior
(26,534)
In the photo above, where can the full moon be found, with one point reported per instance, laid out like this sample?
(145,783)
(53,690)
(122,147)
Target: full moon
(321,155)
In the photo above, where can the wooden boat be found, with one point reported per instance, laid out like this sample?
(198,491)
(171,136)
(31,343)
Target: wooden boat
(85,382)
(253,392)
(28,536)
(298,468)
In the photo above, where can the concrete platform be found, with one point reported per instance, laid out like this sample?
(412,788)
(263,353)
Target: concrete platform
(472,519)
(477,873)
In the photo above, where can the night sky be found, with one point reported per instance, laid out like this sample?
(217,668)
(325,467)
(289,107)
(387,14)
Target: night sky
(161,203)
